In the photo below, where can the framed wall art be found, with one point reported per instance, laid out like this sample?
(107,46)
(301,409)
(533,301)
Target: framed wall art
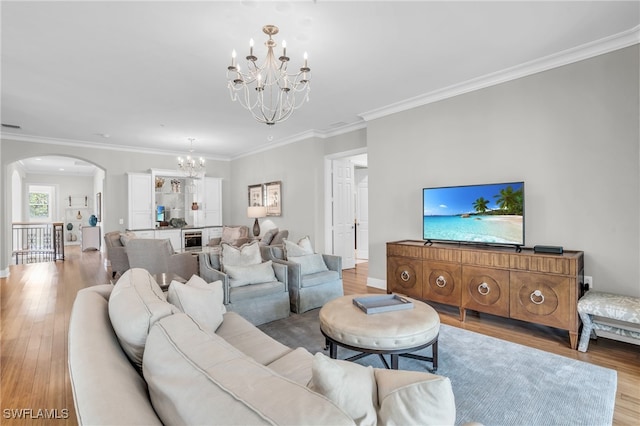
(256,196)
(273,196)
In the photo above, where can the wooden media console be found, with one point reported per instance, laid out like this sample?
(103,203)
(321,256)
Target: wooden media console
(528,286)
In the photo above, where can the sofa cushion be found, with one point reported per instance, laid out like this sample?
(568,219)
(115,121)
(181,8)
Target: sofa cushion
(135,304)
(184,366)
(248,254)
(319,278)
(350,385)
(300,249)
(252,342)
(253,291)
(201,301)
(310,263)
(268,236)
(252,274)
(410,397)
(295,365)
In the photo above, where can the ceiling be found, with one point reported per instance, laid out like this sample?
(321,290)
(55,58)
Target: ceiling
(149,75)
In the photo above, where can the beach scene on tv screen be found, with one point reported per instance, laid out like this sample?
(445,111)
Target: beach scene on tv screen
(478,213)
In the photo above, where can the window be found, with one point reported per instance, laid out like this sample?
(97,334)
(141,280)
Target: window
(40,203)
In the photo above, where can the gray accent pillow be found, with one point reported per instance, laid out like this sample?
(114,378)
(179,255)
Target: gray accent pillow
(248,254)
(252,274)
(280,237)
(268,236)
(302,248)
(310,263)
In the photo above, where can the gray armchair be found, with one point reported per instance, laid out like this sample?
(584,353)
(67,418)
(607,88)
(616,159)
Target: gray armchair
(259,303)
(310,291)
(116,253)
(157,256)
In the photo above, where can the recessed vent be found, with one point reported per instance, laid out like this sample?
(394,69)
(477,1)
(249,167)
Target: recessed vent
(11,126)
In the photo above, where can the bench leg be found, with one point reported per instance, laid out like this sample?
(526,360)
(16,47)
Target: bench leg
(587,329)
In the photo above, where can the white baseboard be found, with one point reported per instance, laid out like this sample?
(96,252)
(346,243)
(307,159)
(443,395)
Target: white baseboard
(377,283)
(4,273)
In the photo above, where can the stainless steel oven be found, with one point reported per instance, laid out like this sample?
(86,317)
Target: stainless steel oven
(192,239)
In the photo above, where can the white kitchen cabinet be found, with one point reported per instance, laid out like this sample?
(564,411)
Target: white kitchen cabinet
(212,201)
(141,206)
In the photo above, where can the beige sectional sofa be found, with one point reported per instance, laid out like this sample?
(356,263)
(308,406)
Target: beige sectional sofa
(135,358)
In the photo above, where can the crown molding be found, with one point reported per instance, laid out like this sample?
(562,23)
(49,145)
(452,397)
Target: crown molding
(565,57)
(95,145)
(321,134)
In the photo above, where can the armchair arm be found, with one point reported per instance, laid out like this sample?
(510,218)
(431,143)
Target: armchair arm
(183,264)
(210,274)
(333,262)
(117,255)
(294,272)
(281,274)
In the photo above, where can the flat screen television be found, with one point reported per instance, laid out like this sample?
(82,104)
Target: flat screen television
(483,214)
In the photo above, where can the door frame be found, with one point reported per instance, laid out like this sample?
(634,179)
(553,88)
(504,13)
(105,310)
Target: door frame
(328,189)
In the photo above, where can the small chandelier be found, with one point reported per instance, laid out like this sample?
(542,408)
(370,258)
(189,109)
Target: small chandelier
(268,91)
(190,166)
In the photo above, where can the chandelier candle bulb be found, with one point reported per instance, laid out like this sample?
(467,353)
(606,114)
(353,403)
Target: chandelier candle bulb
(266,89)
(233,58)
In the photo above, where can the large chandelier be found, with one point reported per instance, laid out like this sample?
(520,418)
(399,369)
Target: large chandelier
(191,166)
(268,91)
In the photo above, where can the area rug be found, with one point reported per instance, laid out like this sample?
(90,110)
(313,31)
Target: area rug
(495,382)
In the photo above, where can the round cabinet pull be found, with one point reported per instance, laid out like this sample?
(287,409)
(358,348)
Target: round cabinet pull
(484,289)
(441,281)
(404,276)
(537,297)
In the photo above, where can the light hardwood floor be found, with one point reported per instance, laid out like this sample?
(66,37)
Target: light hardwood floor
(36,300)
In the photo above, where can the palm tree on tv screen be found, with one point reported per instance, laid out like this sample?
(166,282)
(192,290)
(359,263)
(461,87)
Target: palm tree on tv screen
(481,205)
(510,201)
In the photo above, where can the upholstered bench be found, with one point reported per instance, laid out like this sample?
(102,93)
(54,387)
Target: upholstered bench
(609,315)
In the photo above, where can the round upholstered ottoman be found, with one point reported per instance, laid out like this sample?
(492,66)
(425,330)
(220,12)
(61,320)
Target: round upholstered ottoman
(397,333)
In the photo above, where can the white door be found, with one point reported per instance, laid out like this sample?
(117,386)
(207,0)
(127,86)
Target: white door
(362,217)
(343,213)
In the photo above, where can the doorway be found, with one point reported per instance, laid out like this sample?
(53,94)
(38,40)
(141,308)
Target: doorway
(347,224)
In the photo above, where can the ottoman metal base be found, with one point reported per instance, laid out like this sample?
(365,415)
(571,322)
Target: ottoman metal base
(395,354)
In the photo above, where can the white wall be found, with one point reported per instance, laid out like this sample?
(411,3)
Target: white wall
(572,134)
(300,167)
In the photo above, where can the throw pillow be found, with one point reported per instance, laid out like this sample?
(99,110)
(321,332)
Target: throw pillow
(310,263)
(411,397)
(351,386)
(248,254)
(268,236)
(303,247)
(125,237)
(201,301)
(252,274)
(280,237)
(135,304)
